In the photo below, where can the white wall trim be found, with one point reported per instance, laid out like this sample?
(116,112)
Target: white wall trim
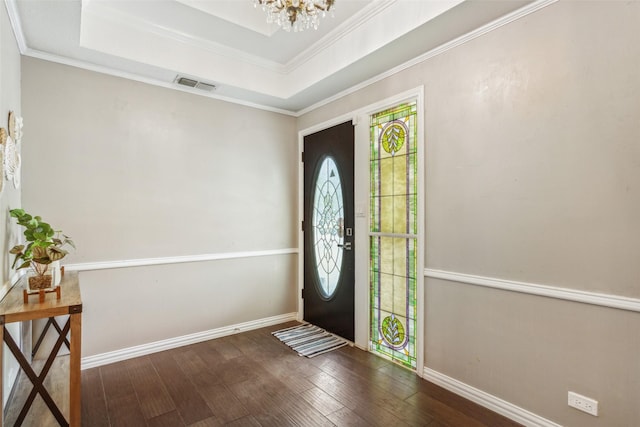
(586,297)
(16,24)
(168,344)
(105,265)
(504,20)
(487,400)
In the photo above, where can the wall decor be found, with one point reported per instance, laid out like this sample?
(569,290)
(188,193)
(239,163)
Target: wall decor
(11,161)
(1,170)
(17,137)
(3,139)
(17,171)
(12,124)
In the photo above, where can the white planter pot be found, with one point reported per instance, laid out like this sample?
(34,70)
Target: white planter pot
(54,270)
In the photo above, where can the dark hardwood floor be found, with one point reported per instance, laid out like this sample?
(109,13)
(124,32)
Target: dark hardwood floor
(251,379)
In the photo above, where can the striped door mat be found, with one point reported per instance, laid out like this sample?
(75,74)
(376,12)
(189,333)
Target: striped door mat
(309,340)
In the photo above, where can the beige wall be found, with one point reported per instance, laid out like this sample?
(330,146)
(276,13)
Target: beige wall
(531,175)
(10,234)
(532,147)
(134,171)
(129,307)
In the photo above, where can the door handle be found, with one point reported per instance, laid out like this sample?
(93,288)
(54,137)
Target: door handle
(346,246)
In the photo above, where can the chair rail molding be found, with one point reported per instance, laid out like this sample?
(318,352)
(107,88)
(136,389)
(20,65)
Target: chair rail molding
(105,265)
(586,297)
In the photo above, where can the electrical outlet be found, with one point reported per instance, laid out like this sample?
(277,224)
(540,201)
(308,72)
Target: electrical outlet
(585,404)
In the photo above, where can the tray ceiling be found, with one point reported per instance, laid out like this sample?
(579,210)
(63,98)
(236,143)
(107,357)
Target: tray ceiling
(229,44)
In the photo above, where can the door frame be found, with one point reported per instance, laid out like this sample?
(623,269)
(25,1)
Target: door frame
(360,119)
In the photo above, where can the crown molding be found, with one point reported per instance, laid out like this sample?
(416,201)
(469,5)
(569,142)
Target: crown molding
(16,24)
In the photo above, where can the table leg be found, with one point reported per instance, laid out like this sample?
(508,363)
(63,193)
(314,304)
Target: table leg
(75,409)
(37,380)
(1,379)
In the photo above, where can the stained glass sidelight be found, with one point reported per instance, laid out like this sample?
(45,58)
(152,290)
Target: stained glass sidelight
(328,226)
(393,233)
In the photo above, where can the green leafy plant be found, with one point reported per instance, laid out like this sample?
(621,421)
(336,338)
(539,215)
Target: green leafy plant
(44,244)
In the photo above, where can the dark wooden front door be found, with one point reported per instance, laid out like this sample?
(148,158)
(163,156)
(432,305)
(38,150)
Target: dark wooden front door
(328,230)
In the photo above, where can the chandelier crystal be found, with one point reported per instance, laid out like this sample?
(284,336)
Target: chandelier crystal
(295,14)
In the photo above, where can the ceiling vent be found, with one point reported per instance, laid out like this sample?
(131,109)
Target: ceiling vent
(185,81)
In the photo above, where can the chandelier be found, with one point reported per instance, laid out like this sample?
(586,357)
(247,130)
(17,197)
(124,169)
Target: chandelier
(295,14)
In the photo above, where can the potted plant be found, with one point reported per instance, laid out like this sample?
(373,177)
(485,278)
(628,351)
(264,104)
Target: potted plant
(44,247)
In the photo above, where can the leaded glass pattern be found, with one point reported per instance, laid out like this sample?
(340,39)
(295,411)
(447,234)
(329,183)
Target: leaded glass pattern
(328,225)
(393,233)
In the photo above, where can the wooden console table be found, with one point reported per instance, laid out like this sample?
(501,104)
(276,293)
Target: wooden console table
(13,309)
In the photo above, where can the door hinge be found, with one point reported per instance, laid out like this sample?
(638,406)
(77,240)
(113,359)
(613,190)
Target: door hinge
(302,156)
(302,293)
(302,225)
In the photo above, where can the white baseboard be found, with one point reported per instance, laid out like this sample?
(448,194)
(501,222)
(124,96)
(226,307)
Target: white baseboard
(487,400)
(154,347)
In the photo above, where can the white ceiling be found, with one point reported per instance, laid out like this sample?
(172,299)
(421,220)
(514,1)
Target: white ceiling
(228,42)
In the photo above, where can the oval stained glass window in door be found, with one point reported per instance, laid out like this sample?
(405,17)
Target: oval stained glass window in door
(328,226)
